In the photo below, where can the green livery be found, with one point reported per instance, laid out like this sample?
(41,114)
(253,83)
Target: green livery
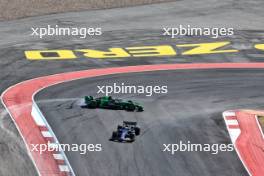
(107,102)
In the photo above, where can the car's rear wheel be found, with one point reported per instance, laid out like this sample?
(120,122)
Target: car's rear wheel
(132,137)
(119,127)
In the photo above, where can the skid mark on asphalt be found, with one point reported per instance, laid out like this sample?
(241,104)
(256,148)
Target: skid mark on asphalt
(4,126)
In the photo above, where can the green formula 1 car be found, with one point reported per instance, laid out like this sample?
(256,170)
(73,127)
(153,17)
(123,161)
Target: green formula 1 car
(107,102)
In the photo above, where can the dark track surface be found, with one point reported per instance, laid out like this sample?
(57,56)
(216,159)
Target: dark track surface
(190,111)
(122,28)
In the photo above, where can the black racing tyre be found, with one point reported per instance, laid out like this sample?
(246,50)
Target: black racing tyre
(132,137)
(137,131)
(114,135)
(130,107)
(92,104)
(119,127)
(139,109)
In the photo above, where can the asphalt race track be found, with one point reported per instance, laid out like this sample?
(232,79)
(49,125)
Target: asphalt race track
(190,111)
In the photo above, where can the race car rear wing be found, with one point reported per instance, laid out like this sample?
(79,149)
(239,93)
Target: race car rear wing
(130,123)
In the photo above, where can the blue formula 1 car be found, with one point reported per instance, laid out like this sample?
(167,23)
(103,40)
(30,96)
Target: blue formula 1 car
(126,132)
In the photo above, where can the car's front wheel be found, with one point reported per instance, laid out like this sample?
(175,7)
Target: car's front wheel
(114,135)
(137,131)
(139,109)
